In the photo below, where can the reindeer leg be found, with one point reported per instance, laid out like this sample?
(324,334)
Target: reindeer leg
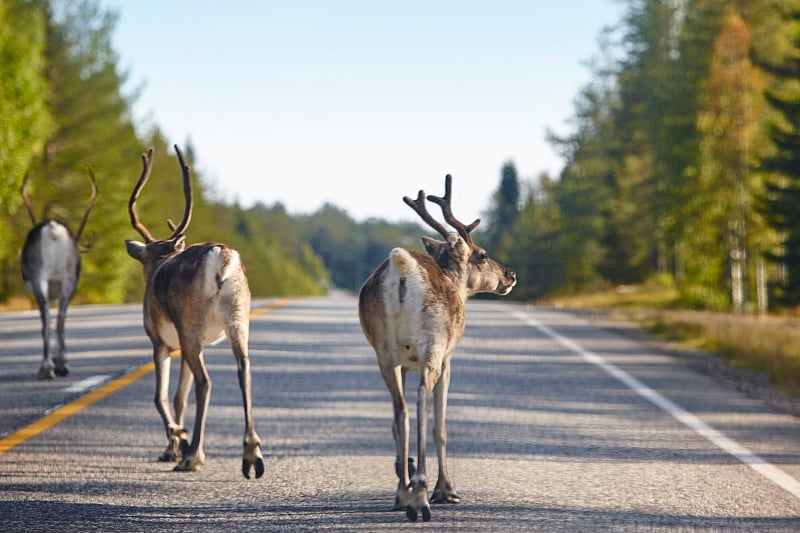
(444,491)
(395,378)
(410,463)
(195,457)
(60,358)
(181,398)
(252,456)
(39,290)
(179,402)
(175,432)
(419,481)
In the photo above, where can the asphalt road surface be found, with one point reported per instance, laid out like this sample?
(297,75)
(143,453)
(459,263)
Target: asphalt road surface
(554,425)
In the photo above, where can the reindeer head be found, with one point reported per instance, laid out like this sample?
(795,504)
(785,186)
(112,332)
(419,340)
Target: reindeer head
(152,250)
(458,253)
(82,246)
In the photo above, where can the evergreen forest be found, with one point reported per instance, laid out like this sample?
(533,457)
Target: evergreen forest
(682,165)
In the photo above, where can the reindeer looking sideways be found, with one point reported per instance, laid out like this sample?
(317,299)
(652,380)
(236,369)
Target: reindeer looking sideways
(51,268)
(193,296)
(412,312)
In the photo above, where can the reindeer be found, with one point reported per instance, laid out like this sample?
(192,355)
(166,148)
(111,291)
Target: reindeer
(412,312)
(51,267)
(193,296)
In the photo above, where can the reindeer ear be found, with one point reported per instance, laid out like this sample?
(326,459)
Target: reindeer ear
(136,249)
(433,246)
(458,246)
(180,243)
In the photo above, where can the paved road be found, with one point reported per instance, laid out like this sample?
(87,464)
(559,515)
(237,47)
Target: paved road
(554,425)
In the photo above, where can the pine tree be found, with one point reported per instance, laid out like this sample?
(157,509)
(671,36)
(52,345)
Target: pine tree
(92,128)
(25,122)
(24,118)
(720,224)
(780,204)
(505,207)
(533,246)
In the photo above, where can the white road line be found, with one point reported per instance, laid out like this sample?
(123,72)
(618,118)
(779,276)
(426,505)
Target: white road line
(86,384)
(760,465)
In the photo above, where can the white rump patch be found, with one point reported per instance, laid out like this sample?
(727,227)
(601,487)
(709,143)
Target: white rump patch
(212,267)
(216,271)
(402,261)
(234,263)
(403,294)
(59,256)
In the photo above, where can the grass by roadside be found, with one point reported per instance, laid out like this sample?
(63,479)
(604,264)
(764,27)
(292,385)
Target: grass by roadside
(764,344)
(17,303)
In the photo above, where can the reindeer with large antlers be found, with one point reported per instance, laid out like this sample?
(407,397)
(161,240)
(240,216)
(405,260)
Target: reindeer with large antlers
(412,312)
(193,296)
(51,268)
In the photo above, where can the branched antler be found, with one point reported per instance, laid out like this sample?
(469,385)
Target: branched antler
(147,164)
(27,200)
(418,205)
(89,207)
(187,194)
(444,202)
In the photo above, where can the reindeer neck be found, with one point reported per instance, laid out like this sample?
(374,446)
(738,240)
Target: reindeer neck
(452,283)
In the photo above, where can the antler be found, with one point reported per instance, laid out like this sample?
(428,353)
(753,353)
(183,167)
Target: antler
(27,200)
(444,203)
(187,193)
(418,205)
(147,164)
(89,207)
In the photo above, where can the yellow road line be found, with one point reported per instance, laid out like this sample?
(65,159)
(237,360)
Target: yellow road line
(65,411)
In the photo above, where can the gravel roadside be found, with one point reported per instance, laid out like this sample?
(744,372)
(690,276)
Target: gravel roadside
(752,384)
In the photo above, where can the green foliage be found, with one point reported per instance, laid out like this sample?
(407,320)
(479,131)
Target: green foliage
(277,263)
(532,247)
(62,50)
(92,129)
(683,164)
(583,192)
(505,205)
(780,204)
(659,171)
(350,250)
(25,120)
(24,117)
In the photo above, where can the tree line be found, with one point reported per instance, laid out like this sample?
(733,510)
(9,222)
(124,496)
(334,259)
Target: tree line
(63,110)
(684,163)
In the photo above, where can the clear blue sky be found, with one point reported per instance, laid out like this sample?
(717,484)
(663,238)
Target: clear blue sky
(359,103)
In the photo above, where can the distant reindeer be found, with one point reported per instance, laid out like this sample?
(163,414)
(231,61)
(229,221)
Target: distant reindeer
(193,296)
(51,268)
(412,312)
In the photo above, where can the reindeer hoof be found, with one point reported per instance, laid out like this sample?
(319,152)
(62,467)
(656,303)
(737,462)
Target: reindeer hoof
(402,498)
(46,373)
(412,513)
(418,502)
(252,457)
(176,450)
(189,464)
(445,493)
(61,371)
(445,496)
(258,466)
